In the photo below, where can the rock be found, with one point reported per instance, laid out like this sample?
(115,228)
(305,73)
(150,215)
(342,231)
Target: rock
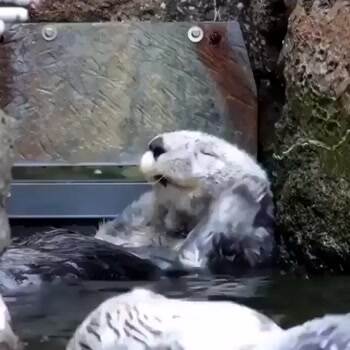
(7,136)
(97,10)
(312,169)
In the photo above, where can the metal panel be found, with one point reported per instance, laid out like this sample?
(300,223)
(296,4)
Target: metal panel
(96,172)
(71,200)
(97,92)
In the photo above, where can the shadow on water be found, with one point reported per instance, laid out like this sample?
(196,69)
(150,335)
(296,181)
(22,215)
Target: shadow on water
(46,320)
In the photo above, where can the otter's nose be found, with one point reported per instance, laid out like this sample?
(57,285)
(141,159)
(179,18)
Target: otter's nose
(157,147)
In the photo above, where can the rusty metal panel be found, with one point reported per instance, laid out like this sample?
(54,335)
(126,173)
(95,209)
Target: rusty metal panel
(97,92)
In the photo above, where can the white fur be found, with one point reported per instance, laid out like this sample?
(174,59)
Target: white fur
(141,319)
(147,163)
(103,233)
(181,324)
(225,151)
(11,14)
(8,339)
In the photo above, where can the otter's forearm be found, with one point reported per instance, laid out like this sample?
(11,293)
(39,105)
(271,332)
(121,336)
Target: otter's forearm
(133,225)
(238,230)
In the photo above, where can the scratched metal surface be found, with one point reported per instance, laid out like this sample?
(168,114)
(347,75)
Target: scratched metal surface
(99,92)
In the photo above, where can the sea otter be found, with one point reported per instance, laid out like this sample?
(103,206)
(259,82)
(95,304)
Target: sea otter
(142,319)
(210,208)
(211,203)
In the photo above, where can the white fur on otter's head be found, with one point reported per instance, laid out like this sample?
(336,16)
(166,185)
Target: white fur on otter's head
(187,159)
(190,169)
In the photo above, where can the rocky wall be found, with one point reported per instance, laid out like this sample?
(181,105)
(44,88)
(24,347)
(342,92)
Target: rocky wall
(312,167)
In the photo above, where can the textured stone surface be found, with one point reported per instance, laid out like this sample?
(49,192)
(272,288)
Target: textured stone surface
(312,168)
(7,138)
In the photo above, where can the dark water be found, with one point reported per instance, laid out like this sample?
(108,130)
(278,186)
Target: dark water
(46,320)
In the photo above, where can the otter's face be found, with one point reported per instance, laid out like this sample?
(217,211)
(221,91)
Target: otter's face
(179,159)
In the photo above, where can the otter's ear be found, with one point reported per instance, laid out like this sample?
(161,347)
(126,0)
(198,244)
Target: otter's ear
(208,150)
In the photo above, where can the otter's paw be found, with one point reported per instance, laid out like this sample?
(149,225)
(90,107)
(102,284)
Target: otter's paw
(192,259)
(236,253)
(112,232)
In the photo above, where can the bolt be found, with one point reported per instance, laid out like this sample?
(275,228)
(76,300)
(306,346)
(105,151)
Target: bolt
(195,34)
(49,33)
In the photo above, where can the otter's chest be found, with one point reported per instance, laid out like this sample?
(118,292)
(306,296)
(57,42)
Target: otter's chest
(180,210)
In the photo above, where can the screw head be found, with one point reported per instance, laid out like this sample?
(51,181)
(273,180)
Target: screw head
(49,33)
(195,34)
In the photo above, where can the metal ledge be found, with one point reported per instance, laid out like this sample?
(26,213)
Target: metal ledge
(64,200)
(80,172)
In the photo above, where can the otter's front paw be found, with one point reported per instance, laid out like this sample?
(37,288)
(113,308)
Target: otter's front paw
(248,252)
(190,259)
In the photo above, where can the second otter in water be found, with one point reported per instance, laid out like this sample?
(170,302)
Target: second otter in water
(211,203)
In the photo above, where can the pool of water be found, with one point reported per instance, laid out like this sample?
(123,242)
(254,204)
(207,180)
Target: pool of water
(46,320)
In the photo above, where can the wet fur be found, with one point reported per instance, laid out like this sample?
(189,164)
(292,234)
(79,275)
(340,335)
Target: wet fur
(211,203)
(65,255)
(142,319)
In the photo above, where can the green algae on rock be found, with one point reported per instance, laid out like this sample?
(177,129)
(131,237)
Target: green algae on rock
(312,170)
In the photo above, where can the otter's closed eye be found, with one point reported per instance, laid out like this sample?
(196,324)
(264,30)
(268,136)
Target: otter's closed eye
(207,150)
(208,153)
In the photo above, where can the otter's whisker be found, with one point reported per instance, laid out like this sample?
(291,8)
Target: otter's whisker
(158,180)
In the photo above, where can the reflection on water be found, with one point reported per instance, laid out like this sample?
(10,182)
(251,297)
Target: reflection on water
(46,320)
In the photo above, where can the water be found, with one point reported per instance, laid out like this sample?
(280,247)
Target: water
(47,319)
